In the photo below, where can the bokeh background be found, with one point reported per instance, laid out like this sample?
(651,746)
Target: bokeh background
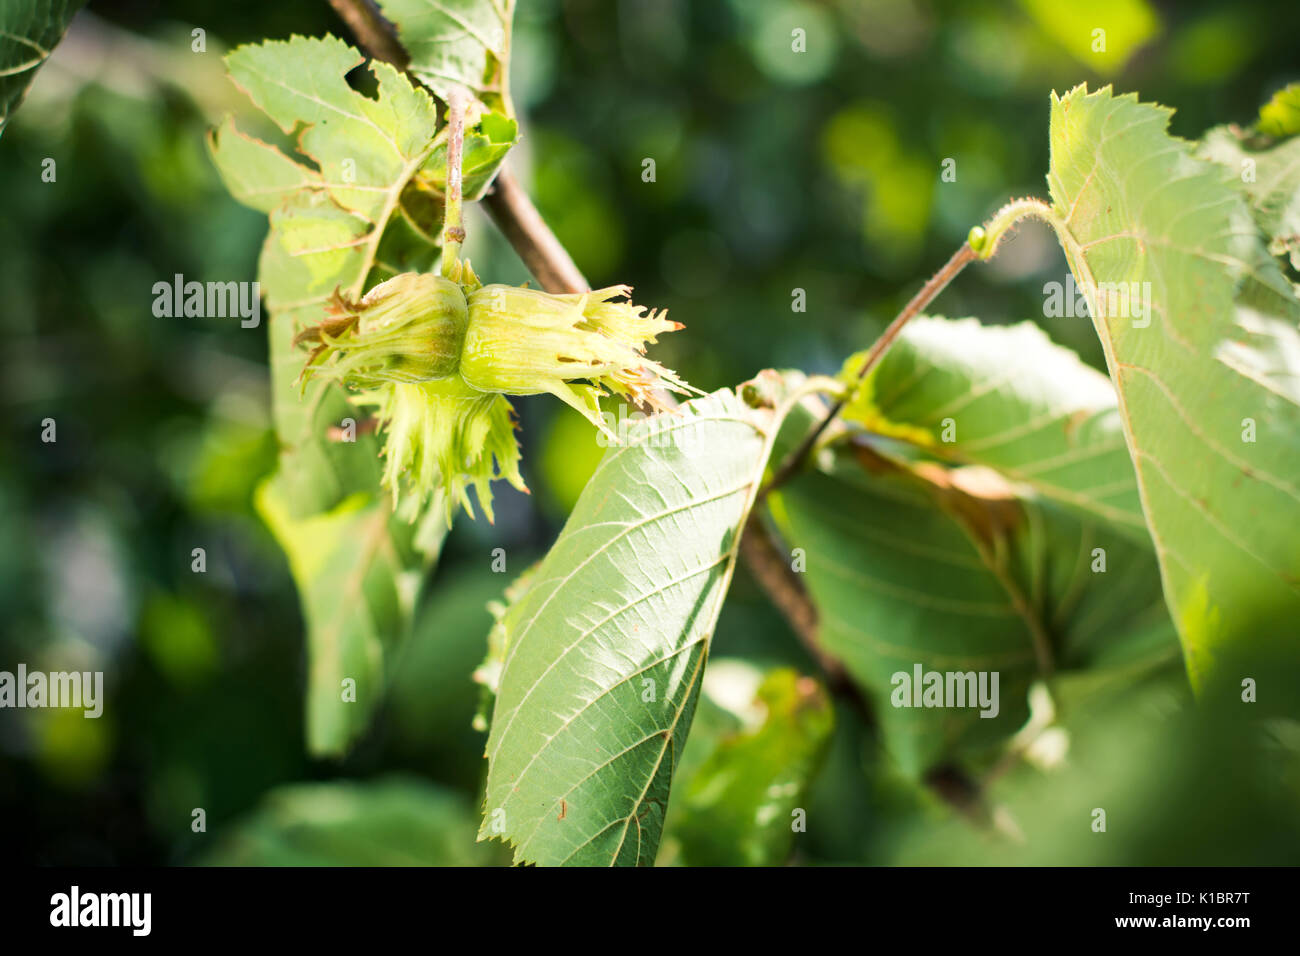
(819,172)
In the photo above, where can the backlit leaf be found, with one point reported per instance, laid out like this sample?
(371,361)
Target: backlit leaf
(956,570)
(1209,385)
(1269,175)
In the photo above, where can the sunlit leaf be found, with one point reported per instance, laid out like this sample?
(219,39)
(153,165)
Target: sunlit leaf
(604,652)
(1280,116)
(1269,175)
(1209,382)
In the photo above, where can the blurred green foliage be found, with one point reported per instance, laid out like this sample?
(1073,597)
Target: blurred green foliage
(775,172)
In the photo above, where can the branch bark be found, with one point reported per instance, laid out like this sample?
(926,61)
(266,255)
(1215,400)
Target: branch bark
(372,31)
(530,236)
(771,569)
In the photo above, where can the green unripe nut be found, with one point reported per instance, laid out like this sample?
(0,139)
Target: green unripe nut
(437,357)
(409,329)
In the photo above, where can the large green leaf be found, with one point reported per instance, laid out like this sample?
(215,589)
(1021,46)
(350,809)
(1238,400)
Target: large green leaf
(1016,402)
(29,31)
(458,43)
(358,569)
(955,570)
(1209,384)
(604,652)
(392,821)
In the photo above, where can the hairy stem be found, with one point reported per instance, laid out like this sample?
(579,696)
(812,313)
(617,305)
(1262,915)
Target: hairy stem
(982,245)
(984,240)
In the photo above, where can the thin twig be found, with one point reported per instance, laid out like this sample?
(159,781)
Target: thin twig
(794,461)
(372,31)
(771,569)
(364,427)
